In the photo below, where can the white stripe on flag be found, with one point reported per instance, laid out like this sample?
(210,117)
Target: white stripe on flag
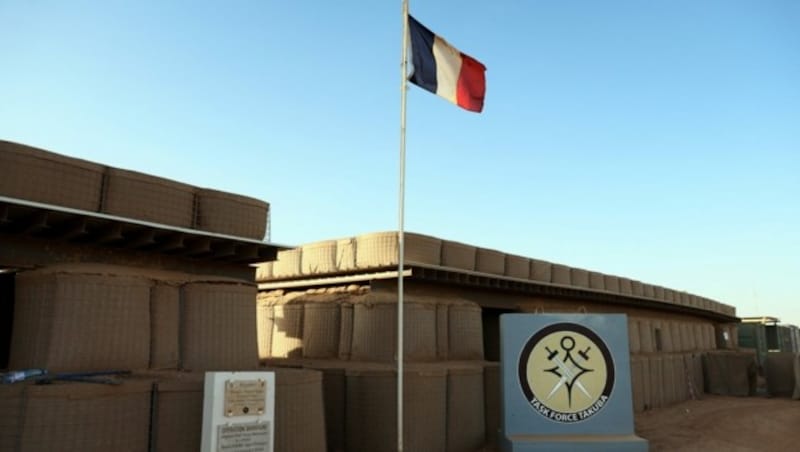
(448,68)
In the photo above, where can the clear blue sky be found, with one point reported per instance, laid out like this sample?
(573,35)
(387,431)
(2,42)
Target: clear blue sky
(654,140)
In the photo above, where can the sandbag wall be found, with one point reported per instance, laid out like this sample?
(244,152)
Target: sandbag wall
(36,175)
(350,334)
(88,318)
(380,250)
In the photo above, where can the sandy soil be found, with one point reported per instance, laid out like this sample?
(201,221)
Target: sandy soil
(718,423)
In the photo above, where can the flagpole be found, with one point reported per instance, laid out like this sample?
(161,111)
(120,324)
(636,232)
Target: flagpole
(401,227)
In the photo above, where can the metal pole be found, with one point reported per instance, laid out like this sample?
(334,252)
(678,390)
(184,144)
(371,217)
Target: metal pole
(401,227)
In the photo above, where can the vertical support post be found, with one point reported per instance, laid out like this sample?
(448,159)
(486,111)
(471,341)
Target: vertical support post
(401,226)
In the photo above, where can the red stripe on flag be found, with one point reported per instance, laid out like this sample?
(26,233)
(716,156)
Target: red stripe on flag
(471,88)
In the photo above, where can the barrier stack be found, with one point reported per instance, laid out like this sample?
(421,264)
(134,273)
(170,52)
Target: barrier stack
(163,328)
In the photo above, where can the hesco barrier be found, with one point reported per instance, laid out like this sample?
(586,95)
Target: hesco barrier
(646,335)
(625,286)
(579,277)
(177,417)
(634,338)
(458,255)
(677,337)
(465,332)
(334,393)
(322,324)
(363,328)
(346,332)
(667,341)
(375,331)
(319,258)
(288,263)
(265,323)
(492,403)
(449,406)
(636,288)
(11,404)
(299,412)
(37,175)
(178,411)
(490,261)
(231,214)
(218,329)
(779,373)
(796,393)
(730,373)
(612,284)
(443,331)
(465,407)
(637,383)
(346,254)
(79,322)
(517,266)
(90,317)
(660,380)
(561,274)
(150,198)
(371,409)
(75,417)
(165,312)
(41,176)
(287,330)
(381,249)
(541,270)
(597,281)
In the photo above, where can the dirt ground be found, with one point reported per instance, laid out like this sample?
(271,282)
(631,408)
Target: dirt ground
(718,423)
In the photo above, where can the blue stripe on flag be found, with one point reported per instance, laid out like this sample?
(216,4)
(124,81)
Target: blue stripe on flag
(424,74)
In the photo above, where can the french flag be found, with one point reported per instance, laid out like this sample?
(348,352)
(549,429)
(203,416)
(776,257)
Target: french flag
(441,69)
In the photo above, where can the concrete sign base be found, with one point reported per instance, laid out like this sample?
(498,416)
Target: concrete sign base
(566,383)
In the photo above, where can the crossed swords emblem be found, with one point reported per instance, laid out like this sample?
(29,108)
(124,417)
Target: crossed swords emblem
(569,370)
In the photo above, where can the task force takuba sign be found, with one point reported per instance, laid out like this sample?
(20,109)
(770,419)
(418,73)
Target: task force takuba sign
(566,383)
(566,372)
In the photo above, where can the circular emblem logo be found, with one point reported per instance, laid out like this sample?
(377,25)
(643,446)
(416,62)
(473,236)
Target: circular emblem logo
(566,372)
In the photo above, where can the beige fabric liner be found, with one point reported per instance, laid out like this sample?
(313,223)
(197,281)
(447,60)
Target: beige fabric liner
(729,373)
(779,372)
(321,327)
(541,270)
(164,326)
(458,255)
(465,331)
(41,176)
(231,214)
(579,277)
(492,403)
(319,258)
(219,330)
(597,281)
(490,261)
(561,274)
(381,249)
(466,426)
(77,322)
(79,417)
(371,396)
(149,198)
(517,266)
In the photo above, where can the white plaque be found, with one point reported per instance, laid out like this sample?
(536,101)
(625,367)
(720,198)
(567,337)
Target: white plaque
(244,397)
(238,412)
(245,437)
